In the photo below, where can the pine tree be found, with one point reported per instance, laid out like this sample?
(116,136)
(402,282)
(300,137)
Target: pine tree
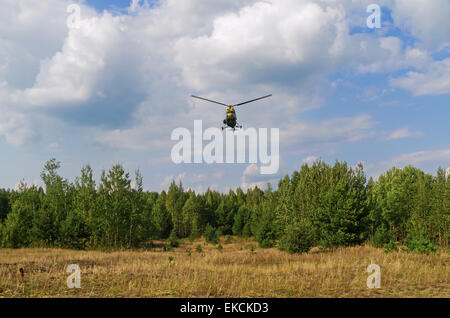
(115,206)
(161,217)
(191,217)
(79,227)
(147,228)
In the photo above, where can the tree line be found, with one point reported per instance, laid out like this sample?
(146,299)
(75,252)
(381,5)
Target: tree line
(320,205)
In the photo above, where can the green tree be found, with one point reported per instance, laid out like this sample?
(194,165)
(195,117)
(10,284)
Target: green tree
(161,217)
(56,203)
(225,213)
(193,216)
(17,230)
(211,234)
(439,217)
(115,207)
(266,235)
(241,218)
(174,205)
(297,238)
(147,226)
(79,229)
(136,214)
(5,206)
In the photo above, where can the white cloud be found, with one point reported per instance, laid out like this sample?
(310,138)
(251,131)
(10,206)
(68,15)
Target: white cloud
(135,5)
(15,126)
(251,178)
(420,157)
(272,40)
(427,20)
(31,31)
(404,133)
(71,75)
(435,81)
(346,129)
(168,180)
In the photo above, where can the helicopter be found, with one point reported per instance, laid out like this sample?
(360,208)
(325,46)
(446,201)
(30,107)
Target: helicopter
(230,120)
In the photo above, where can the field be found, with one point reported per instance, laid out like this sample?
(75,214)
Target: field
(237,270)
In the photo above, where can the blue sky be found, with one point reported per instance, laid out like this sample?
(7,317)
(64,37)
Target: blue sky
(110,5)
(101,5)
(114,89)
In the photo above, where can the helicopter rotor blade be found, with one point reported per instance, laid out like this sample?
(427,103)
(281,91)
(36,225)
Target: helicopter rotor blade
(253,100)
(208,100)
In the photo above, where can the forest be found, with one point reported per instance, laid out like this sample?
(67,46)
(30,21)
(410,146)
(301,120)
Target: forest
(321,205)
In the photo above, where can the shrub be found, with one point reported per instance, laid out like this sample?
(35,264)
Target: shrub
(211,235)
(382,237)
(265,236)
(173,239)
(220,247)
(194,236)
(229,239)
(391,246)
(246,231)
(419,243)
(198,248)
(298,238)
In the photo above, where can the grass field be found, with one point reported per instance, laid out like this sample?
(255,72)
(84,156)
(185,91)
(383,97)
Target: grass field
(235,271)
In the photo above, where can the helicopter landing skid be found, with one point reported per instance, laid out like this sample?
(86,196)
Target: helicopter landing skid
(237,127)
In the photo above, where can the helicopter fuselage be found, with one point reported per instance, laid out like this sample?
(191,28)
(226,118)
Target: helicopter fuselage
(231,118)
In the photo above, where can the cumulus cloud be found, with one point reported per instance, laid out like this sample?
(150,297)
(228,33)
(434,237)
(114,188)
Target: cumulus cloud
(427,20)
(435,81)
(29,36)
(274,40)
(71,75)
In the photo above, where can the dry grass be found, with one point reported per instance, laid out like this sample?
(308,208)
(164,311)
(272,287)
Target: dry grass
(233,272)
